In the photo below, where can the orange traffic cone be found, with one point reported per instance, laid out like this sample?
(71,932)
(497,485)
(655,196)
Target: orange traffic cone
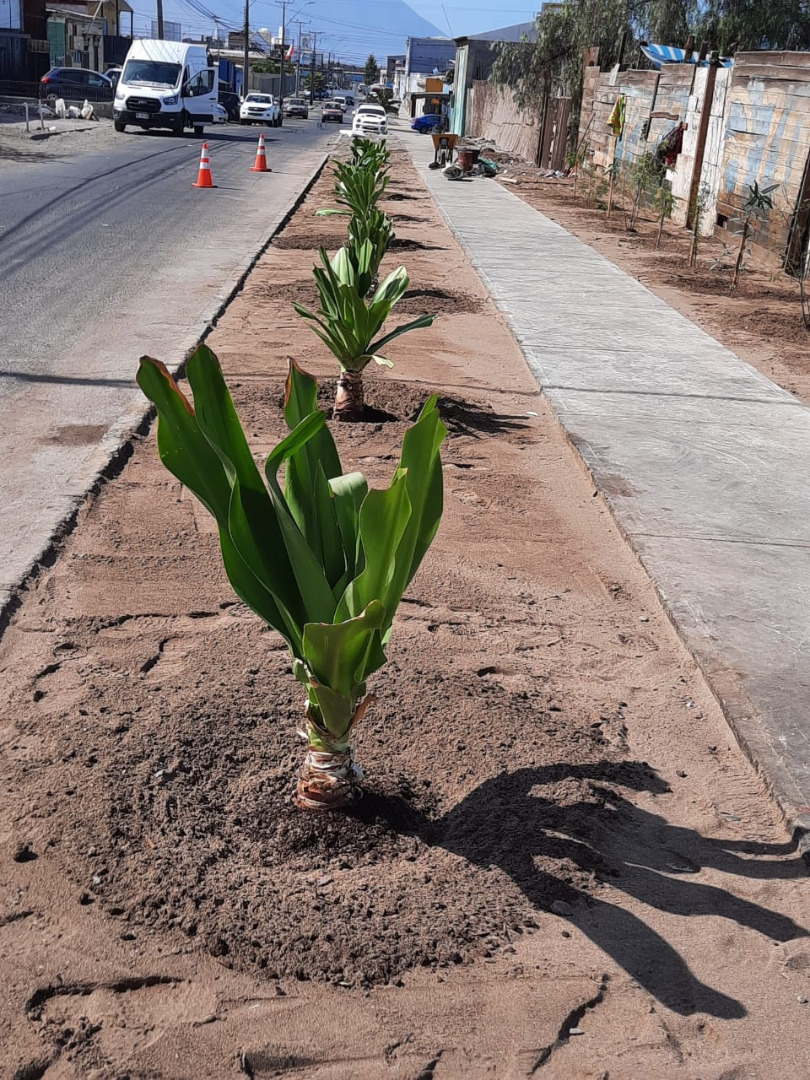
(204,175)
(261,158)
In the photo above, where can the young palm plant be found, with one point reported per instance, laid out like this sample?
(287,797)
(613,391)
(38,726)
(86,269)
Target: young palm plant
(324,560)
(755,209)
(367,153)
(349,323)
(377,229)
(358,190)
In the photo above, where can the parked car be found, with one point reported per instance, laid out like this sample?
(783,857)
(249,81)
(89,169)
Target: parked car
(76,84)
(113,74)
(230,102)
(297,106)
(427,123)
(331,113)
(370,120)
(260,109)
(220,113)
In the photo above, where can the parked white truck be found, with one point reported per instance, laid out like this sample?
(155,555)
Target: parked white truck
(166,84)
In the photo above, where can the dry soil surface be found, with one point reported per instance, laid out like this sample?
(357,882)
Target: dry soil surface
(61,139)
(761,321)
(564,867)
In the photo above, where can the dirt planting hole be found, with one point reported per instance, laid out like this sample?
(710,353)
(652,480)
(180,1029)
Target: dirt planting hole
(309,239)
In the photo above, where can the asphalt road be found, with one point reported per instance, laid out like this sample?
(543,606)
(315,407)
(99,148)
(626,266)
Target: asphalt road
(108,252)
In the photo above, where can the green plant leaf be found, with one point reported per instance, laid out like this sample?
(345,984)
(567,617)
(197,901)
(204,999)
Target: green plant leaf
(183,448)
(308,570)
(417,324)
(218,420)
(349,492)
(337,653)
(305,485)
(420,466)
(383,518)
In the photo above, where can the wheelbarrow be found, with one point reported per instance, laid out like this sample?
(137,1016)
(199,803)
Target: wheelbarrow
(443,146)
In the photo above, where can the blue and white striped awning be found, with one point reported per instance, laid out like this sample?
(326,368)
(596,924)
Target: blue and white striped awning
(669,54)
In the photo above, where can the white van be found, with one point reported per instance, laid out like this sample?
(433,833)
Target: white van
(166,84)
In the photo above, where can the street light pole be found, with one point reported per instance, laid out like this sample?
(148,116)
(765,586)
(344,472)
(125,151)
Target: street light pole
(312,69)
(298,61)
(160,18)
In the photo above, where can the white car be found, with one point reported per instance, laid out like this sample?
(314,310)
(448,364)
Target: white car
(220,113)
(370,120)
(260,109)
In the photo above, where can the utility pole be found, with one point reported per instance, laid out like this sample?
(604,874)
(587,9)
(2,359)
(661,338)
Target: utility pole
(283,49)
(298,63)
(246,57)
(312,70)
(160,18)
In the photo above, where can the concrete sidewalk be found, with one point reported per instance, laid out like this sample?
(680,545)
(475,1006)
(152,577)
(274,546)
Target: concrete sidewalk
(704,462)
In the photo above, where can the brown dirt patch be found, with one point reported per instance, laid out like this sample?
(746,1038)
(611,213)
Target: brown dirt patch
(423,301)
(772,338)
(308,240)
(559,828)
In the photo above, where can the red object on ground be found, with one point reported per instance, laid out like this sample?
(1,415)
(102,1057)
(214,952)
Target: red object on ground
(260,164)
(204,175)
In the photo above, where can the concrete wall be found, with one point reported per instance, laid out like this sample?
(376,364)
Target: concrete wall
(493,114)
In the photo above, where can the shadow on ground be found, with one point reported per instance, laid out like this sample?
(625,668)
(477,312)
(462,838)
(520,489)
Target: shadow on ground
(643,855)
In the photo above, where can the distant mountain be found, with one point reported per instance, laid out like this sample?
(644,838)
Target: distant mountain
(350,29)
(354,28)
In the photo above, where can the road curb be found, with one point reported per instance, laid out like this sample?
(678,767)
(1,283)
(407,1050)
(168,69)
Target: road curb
(129,428)
(739,711)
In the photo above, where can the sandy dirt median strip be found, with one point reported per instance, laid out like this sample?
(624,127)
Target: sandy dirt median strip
(564,866)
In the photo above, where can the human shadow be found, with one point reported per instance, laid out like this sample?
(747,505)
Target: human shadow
(508,823)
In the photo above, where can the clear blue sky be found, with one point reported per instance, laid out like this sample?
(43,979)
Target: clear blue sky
(349,28)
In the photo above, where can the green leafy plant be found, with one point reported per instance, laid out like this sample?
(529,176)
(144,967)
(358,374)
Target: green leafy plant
(698,208)
(612,173)
(350,325)
(358,190)
(592,174)
(664,202)
(644,175)
(574,163)
(375,229)
(370,154)
(755,208)
(724,259)
(324,560)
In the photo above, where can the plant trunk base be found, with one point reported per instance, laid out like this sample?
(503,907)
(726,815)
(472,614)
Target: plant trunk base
(328,781)
(349,398)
